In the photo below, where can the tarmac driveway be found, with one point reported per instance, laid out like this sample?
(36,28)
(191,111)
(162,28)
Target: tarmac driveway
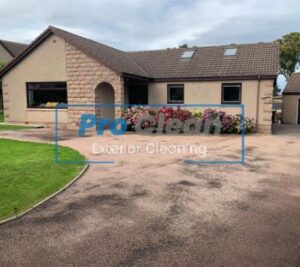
(156,210)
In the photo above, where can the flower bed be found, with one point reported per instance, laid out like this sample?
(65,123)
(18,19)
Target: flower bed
(210,120)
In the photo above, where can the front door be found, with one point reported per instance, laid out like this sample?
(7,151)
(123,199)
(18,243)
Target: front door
(299,112)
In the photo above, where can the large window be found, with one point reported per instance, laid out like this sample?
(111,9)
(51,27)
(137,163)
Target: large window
(231,93)
(175,94)
(46,94)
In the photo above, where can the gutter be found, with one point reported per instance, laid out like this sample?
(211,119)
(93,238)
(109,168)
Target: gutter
(216,78)
(128,75)
(291,93)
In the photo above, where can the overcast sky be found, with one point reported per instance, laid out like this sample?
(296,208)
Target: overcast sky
(153,24)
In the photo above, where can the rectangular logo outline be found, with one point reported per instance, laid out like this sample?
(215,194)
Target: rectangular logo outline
(197,162)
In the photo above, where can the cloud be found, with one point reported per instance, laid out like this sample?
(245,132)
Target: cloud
(152,24)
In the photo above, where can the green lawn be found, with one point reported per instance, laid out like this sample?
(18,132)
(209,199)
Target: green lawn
(28,174)
(5,127)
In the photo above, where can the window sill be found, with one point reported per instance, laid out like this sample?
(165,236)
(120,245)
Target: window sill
(45,109)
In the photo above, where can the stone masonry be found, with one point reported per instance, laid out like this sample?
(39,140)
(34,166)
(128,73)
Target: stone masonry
(84,74)
(5,102)
(1,98)
(266,95)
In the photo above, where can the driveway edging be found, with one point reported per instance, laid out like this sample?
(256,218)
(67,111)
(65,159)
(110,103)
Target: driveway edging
(48,198)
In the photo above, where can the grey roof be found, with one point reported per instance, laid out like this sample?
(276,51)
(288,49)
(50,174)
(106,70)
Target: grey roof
(207,62)
(293,85)
(13,48)
(115,59)
(251,60)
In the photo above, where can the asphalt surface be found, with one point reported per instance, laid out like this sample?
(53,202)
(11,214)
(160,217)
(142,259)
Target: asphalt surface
(155,210)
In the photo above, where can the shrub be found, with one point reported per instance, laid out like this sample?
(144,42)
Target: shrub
(237,122)
(229,124)
(133,114)
(171,113)
(210,118)
(197,114)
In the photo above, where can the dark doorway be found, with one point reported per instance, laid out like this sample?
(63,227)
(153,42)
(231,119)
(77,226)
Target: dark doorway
(138,95)
(299,111)
(136,91)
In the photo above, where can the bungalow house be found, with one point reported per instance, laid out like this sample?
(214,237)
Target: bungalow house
(61,67)
(8,50)
(291,100)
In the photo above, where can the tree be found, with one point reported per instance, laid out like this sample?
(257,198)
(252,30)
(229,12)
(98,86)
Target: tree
(289,53)
(183,45)
(2,64)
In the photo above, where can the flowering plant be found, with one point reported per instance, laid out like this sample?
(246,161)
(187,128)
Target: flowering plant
(133,114)
(210,119)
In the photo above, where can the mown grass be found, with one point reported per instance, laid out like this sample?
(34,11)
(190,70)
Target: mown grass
(5,127)
(29,174)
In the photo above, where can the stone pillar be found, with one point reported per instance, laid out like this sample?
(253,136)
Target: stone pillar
(265,107)
(1,98)
(119,97)
(5,101)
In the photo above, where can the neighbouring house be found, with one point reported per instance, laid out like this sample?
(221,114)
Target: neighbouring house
(8,51)
(291,100)
(277,109)
(61,67)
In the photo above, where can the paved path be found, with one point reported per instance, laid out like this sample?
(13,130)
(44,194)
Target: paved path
(286,130)
(155,210)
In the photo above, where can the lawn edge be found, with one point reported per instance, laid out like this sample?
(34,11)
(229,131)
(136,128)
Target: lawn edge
(15,217)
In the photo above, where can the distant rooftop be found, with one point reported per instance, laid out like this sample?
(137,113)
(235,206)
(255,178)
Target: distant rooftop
(12,47)
(293,85)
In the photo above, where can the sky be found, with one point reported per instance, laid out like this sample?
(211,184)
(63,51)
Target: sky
(153,24)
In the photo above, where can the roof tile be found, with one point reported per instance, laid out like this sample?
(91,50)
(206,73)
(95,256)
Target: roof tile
(115,59)
(293,85)
(13,48)
(251,60)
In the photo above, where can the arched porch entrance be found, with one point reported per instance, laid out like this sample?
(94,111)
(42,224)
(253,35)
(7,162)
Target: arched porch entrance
(105,95)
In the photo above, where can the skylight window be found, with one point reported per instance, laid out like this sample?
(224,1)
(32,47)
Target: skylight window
(188,54)
(230,52)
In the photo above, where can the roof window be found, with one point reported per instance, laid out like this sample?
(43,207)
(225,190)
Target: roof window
(188,54)
(230,52)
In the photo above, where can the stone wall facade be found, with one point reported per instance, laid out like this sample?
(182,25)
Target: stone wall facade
(5,98)
(264,125)
(84,74)
(1,98)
